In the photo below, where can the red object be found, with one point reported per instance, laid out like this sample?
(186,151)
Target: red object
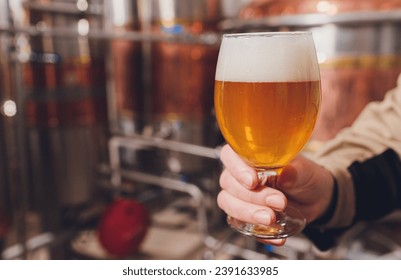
(123,226)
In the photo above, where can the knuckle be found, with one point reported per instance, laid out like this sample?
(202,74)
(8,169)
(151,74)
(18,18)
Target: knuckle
(221,200)
(223,153)
(223,179)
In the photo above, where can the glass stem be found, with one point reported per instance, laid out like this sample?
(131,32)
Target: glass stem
(269,178)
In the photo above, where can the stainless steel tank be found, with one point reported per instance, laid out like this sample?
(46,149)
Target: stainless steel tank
(66,113)
(183,78)
(5,203)
(126,75)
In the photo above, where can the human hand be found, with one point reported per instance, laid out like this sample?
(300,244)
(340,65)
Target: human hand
(302,184)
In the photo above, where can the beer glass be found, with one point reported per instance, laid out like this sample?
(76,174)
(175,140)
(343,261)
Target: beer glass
(267,98)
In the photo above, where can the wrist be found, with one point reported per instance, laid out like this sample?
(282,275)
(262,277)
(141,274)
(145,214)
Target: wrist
(330,209)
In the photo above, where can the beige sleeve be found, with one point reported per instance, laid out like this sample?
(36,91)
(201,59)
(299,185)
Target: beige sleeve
(376,129)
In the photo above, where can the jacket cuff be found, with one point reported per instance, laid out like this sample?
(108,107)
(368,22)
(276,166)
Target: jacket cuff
(344,209)
(377,185)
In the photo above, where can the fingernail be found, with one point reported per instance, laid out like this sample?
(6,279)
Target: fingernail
(246,179)
(262,217)
(275,201)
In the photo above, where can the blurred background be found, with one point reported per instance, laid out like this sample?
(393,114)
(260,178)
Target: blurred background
(108,141)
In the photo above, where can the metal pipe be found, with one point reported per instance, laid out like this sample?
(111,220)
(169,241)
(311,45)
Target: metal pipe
(208,38)
(176,185)
(308,20)
(232,249)
(18,250)
(80,7)
(139,142)
(134,141)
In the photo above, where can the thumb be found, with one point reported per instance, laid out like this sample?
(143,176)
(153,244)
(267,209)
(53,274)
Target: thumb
(296,174)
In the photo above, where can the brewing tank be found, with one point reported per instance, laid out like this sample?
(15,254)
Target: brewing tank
(183,78)
(125,75)
(63,77)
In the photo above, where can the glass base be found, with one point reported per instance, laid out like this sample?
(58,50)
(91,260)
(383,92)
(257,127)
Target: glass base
(288,223)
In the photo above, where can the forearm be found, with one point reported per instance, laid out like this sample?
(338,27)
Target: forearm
(377,189)
(377,184)
(375,131)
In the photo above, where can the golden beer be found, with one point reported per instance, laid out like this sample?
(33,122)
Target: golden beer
(267,123)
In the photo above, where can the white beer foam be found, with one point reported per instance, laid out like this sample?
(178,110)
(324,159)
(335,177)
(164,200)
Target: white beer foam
(267,59)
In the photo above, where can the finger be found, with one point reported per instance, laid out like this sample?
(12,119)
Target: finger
(242,172)
(289,176)
(245,211)
(261,195)
(297,173)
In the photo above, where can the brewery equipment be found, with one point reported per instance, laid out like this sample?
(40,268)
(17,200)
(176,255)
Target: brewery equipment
(7,127)
(65,109)
(125,76)
(183,79)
